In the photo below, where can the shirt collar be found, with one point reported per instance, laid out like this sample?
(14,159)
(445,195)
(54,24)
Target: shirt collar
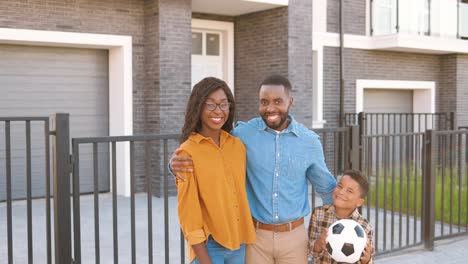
(354,215)
(292,128)
(198,137)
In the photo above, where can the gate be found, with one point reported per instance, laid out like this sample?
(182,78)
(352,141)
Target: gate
(153,165)
(418,186)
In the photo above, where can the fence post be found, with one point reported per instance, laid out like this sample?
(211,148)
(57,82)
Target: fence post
(453,121)
(428,217)
(61,169)
(355,148)
(361,123)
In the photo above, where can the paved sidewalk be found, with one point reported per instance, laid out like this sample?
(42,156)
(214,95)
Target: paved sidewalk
(453,250)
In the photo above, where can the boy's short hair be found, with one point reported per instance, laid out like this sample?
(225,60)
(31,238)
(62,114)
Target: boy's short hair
(360,179)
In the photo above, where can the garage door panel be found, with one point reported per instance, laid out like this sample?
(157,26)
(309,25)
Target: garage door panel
(53,103)
(388,101)
(37,81)
(75,64)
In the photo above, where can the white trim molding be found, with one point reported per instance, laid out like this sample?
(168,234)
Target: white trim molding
(317,98)
(120,80)
(227,29)
(275,2)
(368,17)
(396,42)
(319,8)
(423,92)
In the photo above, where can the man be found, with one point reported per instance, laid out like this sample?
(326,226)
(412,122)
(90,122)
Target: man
(282,155)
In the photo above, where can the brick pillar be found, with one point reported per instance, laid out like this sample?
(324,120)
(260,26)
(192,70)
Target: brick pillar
(168,47)
(175,48)
(300,58)
(261,49)
(446,92)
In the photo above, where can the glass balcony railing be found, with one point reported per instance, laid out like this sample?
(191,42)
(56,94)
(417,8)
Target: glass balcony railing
(443,18)
(463,16)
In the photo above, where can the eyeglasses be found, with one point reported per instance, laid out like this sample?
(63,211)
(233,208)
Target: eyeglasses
(224,106)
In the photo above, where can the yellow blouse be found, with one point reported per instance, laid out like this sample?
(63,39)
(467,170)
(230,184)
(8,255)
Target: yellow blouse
(212,200)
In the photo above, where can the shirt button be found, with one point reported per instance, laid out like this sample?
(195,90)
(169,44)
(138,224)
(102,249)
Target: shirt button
(278,155)
(276,216)
(276,194)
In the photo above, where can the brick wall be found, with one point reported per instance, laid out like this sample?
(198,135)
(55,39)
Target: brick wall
(160,31)
(120,17)
(448,72)
(354,16)
(300,58)
(175,47)
(377,65)
(261,49)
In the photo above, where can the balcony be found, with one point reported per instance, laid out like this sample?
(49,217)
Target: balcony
(436,18)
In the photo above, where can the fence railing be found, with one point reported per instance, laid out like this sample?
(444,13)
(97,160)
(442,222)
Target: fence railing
(450,171)
(151,144)
(418,187)
(19,145)
(392,123)
(395,175)
(419,17)
(419,183)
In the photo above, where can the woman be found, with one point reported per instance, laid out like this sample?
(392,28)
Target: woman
(213,209)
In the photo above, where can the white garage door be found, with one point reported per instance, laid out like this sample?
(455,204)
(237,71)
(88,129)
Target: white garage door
(388,101)
(37,81)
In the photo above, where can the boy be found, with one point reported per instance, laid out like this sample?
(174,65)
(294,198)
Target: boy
(348,195)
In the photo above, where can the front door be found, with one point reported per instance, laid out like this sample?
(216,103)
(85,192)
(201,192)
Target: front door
(207,55)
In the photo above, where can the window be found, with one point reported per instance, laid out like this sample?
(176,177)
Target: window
(204,43)
(197,43)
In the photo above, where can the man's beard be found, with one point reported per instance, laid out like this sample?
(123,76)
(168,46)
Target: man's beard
(275,126)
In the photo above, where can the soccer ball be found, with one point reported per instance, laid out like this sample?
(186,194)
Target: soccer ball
(346,240)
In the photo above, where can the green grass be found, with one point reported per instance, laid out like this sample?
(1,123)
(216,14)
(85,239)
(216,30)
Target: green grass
(403,188)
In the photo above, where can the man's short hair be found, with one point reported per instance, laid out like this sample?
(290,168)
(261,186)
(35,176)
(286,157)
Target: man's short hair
(277,79)
(359,177)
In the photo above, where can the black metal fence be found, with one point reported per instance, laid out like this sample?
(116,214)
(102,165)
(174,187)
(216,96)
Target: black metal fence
(418,192)
(336,145)
(147,142)
(11,153)
(395,175)
(418,187)
(450,173)
(392,123)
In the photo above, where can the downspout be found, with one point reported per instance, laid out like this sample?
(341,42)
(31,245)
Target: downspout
(341,116)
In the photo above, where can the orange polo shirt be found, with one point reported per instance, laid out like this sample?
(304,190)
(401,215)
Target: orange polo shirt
(212,200)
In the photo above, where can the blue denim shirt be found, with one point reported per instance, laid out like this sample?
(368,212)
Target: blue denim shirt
(279,164)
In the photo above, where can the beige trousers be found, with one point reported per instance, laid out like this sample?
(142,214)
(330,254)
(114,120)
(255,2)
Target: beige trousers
(278,248)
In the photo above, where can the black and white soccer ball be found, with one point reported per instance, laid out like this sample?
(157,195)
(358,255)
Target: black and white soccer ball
(346,240)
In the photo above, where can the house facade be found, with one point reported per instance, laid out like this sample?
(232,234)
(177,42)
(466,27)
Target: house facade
(122,67)
(398,56)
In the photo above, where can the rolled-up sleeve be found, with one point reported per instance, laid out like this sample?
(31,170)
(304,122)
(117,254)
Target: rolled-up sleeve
(190,214)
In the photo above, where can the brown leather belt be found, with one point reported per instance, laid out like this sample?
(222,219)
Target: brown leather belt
(284,227)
